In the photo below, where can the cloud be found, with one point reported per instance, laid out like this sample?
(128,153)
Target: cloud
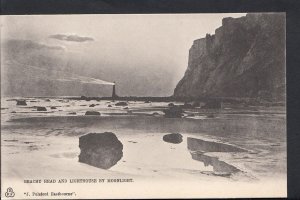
(71,38)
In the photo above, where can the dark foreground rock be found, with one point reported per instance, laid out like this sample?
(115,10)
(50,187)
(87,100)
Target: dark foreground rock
(40,108)
(92,113)
(174,138)
(121,104)
(174,112)
(21,103)
(102,150)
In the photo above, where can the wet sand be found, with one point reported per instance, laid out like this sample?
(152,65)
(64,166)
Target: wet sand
(45,145)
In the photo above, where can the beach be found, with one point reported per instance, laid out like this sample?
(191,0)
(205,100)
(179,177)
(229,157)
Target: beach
(45,146)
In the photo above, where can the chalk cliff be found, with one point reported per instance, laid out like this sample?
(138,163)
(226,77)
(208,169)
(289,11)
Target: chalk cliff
(244,58)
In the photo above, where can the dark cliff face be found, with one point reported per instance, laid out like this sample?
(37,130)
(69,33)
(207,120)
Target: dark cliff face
(244,58)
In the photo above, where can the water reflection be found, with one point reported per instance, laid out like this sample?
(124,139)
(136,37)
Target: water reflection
(198,148)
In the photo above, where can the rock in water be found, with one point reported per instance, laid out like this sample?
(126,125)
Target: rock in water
(21,103)
(195,104)
(173,112)
(40,108)
(101,150)
(213,104)
(187,106)
(83,98)
(92,113)
(121,104)
(175,138)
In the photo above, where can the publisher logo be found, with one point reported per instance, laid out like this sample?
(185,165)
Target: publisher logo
(9,192)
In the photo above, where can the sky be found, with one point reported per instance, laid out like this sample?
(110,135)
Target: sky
(158,42)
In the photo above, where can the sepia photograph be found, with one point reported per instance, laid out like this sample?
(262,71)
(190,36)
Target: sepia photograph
(143,106)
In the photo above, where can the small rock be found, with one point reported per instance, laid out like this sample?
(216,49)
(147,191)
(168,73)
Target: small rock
(174,138)
(195,104)
(210,116)
(186,105)
(213,104)
(72,113)
(147,102)
(48,100)
(21,103)
(92,113)
(83,98)
(40,108)
(53,107)
(171,104)
(126,108)
(92,105)
(109,106)
(174,112)
(121,104)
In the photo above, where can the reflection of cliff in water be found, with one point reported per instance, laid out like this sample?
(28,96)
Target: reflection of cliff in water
(219,167)
(198,148)
(194,144)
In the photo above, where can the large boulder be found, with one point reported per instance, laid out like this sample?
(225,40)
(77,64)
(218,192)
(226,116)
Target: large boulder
(102,150)
(174,138)
(21,103)
(92,113)
(173,112)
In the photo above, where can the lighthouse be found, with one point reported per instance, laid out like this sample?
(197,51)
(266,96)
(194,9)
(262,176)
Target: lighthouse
(114,91)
